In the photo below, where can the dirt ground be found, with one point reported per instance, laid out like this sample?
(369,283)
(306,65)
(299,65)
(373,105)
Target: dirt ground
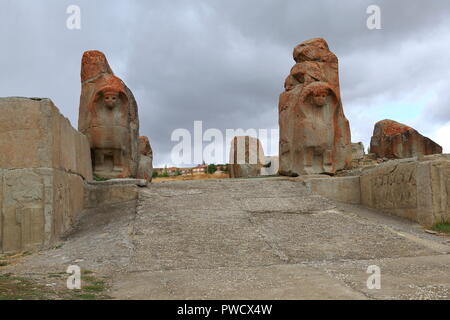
(265,238)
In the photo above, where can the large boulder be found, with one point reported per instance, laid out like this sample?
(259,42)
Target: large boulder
(146,159)
(395,140)
(109,118)
(246,157)
(314,132)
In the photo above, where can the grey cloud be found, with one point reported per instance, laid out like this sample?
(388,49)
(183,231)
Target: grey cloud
(224,62)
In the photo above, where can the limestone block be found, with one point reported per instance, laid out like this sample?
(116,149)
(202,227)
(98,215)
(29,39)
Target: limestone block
(40,138)
(43,165)
(391,187)
(38,205)
(358,151)
(434,194)
(246,157)
(145,170)
(344,189)
(415,189)
(109,192)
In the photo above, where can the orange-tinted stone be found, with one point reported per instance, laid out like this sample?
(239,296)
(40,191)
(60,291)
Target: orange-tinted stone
(109,118)
(314,132)
(395,140)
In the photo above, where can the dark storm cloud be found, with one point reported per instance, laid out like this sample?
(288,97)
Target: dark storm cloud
(224,62)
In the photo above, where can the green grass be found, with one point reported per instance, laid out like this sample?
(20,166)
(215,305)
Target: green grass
(97,178)
(86,296)
(19,288)
(442,227)
(94,284)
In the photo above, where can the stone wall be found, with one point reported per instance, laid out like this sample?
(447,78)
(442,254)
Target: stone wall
(104,193)
(418,190)
(344,189)
(43,167)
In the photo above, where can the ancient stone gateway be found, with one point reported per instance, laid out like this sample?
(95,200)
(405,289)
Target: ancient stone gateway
(395,140)
(109,118)
(314,133)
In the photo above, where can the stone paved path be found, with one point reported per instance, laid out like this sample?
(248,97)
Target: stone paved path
(272,239)
(252,239)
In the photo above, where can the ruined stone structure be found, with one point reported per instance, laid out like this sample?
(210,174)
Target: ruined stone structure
(395,140)
(109,118)
(314,133)
(246,157)
(358,151)
(146,159)
(44,164)
(271,166)
(418,190)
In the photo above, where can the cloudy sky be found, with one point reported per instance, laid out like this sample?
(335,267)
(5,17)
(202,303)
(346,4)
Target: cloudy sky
(224,62)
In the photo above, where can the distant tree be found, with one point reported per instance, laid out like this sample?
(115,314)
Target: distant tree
(211,168)
(165,172)
(155,174)
(178,172)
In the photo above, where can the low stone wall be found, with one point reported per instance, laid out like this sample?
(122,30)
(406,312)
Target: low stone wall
(44,163)
(344,189)
(103,193)
(411,188)
(417,189)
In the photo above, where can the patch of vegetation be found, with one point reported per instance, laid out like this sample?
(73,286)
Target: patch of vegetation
(211,168)
(164,174)
(155,174)
(94,285)
(20,288)
(97,178)
(16,288)
(442,227)
(86,296)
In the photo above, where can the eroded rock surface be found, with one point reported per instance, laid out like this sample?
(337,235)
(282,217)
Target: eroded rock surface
(358,151)
(246,157)
(395,140)
(314,132)
(146,159)
(109,118)
(44,163)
